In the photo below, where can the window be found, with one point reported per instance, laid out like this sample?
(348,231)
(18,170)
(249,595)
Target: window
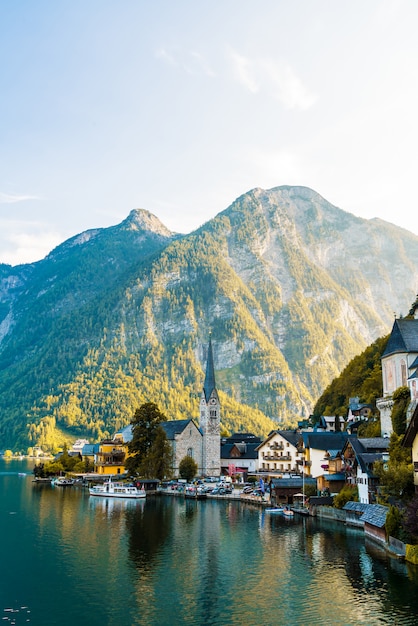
(190,452)
(403,373)
(212,413)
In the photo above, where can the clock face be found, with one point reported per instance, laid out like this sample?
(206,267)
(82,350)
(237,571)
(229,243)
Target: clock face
(213,401)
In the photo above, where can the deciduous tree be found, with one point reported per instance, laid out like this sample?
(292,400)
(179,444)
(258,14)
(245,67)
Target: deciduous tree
(188,468)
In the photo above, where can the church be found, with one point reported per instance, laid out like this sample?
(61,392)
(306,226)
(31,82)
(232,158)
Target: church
(202,442)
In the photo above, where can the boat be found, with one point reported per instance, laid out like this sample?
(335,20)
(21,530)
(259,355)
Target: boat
(110,489)
(61,481)
(274,510)
(288,513)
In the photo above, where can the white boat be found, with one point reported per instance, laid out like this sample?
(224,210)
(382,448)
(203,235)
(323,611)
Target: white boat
(62,482)
(110,489)
(288,513)
(276,509)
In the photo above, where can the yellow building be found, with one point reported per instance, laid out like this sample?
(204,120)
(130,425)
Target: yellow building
(110,457)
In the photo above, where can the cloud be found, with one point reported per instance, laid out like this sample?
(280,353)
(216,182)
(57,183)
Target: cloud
(18,248)
(245,71)
(276,78)
(12,198)
(190,61)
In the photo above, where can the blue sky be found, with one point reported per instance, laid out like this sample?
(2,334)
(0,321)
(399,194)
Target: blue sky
(179,107)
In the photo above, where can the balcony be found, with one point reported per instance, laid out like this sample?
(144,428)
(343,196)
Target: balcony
(276,457)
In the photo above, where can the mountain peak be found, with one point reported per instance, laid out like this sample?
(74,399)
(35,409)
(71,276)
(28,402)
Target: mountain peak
(140,219)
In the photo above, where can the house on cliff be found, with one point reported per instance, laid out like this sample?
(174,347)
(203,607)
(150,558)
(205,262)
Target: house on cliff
(399,367)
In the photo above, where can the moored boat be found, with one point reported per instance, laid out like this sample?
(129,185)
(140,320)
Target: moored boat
(275,510)
(61,481)
(110,489)
(288,513)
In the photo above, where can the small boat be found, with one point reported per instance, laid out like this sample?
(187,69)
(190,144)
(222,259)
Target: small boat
(61,481)
(21,474)
(274,510)
(288,513)
(110,489)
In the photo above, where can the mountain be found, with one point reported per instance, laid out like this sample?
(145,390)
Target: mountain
(290,286)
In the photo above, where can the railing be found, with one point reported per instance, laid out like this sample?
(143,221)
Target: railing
(276,457)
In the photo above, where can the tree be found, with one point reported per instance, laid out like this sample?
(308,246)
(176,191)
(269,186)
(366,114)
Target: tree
(349,493)
(401,399)
(188,468)
(393,522)
(158,462)
(145,424)
(397,478)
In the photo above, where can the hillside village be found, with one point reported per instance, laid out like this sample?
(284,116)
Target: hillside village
(328,457)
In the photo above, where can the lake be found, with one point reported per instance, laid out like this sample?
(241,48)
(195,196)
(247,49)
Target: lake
(67,558)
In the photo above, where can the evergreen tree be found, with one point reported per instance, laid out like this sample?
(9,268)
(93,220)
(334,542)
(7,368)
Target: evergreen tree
(158,462)
(145,424)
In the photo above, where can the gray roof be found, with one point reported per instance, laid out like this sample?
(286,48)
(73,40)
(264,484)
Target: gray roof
(175,427)
(325,441)
(290,435)
(89,449)
(375,514)
(356,506)
(403,337)
(334,477)
(289,483)
(247,451)
(126,433)
(374,443)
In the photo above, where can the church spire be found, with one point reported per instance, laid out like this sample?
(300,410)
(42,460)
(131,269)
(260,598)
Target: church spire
(209,384)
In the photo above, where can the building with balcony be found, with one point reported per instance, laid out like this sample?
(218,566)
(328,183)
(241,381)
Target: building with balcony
(281,452)
(110,456)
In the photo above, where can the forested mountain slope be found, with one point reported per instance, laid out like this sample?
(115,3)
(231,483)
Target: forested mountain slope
(291,288)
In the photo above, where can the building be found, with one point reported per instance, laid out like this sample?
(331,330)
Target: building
(239,455)
(210,421)
(319,447)
(186,440)
(359,457)
(410,440)
(281,452)
(399,367)
(289,490)
(110,456)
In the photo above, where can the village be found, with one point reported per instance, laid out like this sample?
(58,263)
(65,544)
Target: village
(302,470)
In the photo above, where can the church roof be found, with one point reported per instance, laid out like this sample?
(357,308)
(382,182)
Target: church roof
(209,384)
(403,338)
(175,427)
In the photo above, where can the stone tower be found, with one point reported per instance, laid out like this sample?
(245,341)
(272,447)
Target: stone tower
(210,421)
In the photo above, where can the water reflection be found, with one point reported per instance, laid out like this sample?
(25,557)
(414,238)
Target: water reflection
(169,561)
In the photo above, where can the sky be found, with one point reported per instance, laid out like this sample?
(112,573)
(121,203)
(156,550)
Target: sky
(181,106)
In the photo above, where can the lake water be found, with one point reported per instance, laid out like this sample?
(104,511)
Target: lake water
(67,558)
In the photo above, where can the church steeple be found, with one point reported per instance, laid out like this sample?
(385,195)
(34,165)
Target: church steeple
(209,384)
(209,423)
